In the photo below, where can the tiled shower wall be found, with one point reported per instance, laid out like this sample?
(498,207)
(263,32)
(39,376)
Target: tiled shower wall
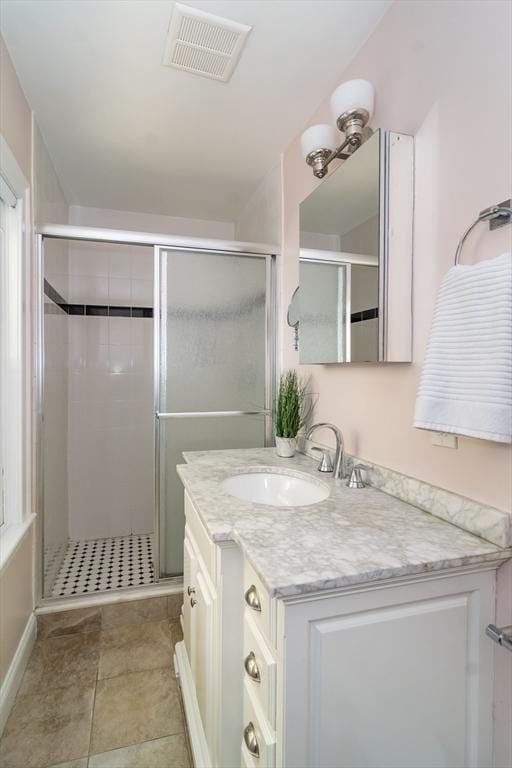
(110,407)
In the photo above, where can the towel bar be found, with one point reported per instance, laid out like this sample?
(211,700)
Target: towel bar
(496,215)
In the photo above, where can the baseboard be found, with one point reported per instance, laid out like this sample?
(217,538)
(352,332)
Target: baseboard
(12,680)
(200,753)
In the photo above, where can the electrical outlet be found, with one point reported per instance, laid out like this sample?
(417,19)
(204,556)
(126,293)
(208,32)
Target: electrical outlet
(445,440)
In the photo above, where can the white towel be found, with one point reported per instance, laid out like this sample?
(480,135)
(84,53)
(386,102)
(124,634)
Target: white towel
(466,383)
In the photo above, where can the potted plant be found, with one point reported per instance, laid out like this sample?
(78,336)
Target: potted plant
(291,412)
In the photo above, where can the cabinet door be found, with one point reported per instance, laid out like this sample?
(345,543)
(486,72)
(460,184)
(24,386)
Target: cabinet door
(189,571)
(391,678)
(202,666)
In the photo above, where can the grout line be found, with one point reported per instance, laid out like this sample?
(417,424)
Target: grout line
(146,741)
(93,706)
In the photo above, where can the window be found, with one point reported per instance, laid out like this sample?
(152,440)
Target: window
(11,357)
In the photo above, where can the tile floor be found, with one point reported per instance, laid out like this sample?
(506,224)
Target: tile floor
(102,564)
(99,691)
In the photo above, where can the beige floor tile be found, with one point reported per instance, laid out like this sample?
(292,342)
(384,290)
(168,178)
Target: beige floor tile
(134,612)
(135,647)
(169,752)
(68,622)
(48,728)
(81,763)
(174,603)
(176,631)
(135,707)
(62,661)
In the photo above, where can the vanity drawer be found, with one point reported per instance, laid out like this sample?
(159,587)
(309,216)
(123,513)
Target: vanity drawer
(202,542)
(257,735)
(259,668)
(257,602)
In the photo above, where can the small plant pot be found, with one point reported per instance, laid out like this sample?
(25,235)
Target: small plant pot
(285,447)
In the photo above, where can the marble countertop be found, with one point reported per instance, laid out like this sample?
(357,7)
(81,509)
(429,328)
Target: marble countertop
(354,536)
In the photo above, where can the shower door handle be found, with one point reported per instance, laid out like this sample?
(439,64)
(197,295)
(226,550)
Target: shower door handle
(211,414)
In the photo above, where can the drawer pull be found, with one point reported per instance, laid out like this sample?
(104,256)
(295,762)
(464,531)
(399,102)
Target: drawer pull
(192,602)
(252,599)
(251,742)
(251,667)
(191,591)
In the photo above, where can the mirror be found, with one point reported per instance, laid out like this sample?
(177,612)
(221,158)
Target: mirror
(356,258)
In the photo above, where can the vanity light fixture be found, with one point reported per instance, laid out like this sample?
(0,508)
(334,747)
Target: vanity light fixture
(351,109)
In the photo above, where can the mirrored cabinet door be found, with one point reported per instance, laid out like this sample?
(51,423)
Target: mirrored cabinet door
(354,302)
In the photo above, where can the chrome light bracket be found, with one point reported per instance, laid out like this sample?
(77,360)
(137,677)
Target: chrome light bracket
(353,124)
(318,161)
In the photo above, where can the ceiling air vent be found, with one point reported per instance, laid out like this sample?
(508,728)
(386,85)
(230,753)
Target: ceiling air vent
(204,44)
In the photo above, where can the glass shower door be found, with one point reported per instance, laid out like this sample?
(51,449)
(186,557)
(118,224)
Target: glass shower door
(214,359)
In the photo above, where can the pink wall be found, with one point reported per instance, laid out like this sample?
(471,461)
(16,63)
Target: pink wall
(16,575)
(437,67)
(15,114)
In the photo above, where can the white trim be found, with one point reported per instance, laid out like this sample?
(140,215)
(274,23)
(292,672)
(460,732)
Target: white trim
(11,537)
(200,753)
(11,171)
(315,254)
(16,670)
(52,604)
(6,193)
(98,234)
(15,334)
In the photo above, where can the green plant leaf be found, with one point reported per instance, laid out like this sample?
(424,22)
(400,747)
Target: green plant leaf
(291,409)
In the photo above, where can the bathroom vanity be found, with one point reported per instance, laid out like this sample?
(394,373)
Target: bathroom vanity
(350,632)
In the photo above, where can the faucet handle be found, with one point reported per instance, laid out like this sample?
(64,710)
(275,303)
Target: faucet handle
(326,464)
(356,480)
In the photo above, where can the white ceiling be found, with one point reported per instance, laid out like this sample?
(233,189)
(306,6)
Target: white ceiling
(128,133)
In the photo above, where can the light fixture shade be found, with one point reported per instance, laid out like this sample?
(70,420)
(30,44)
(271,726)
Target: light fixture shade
(320,136)
(354,94)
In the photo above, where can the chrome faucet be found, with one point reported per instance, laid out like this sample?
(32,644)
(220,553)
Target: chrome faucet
(339,459)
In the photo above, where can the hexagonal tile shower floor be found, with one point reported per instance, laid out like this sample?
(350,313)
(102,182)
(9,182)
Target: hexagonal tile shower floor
(102,564)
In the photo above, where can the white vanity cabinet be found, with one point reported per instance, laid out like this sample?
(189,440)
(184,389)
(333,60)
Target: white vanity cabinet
(392,674)
(208,660)
(395,676)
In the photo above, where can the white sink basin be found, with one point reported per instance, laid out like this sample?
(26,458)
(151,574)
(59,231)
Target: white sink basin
(276,489)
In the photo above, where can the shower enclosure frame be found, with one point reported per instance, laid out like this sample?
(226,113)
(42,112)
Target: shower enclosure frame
(159,243)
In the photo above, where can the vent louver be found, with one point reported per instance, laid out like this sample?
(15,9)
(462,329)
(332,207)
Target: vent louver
(204,44)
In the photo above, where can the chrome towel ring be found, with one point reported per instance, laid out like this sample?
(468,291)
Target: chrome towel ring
(496,215)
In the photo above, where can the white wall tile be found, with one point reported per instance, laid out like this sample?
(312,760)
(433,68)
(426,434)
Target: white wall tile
(110,413)
(141,329)
(87,289)
(120,358)
(119,386)
(118,413)
(141,356)
(120,263)
(119,291)
(77,387)
(97,357)
(142,293)
(96,330)
(119,330)
(88,259)
(142,265)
